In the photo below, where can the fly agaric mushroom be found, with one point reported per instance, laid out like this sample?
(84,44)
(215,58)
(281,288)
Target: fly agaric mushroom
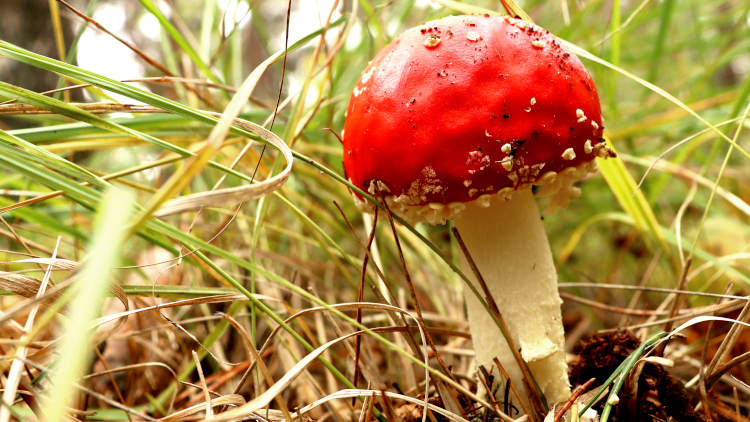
(467,118)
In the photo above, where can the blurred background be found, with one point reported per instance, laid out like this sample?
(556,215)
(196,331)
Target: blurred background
(672,212)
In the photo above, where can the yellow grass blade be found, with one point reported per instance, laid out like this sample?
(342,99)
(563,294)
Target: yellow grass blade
(631,199)
(92,286)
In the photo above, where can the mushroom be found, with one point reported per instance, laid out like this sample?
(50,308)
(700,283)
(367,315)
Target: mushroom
(468,118)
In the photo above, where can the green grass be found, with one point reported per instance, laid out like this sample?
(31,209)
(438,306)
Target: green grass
(666,71)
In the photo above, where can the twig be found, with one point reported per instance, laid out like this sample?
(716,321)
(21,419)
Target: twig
(387,406)
(510,386)
(257,359)
(676,305)
(736,402)
(96,108)
(597,285)
(573,397)
(366,408)
(704,401)
(413,292)
(484,378)
(625,319)
(390,299)
(702,386)
(722,309)
(531,387)
(209,410)
(111,378)
(632,380)
(140,53)
(360,296)
(14,374)
(611,308)
(723,369)
(729,340)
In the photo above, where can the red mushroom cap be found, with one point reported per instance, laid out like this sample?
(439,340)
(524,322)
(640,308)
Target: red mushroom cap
(470,105)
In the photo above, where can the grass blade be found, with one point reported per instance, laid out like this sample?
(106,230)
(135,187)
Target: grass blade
(91,288)
(631,199)
(181,41)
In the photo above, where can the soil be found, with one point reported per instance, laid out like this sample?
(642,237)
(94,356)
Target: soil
(659,396)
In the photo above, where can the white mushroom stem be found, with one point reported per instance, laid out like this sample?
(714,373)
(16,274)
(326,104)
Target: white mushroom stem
(509,246)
